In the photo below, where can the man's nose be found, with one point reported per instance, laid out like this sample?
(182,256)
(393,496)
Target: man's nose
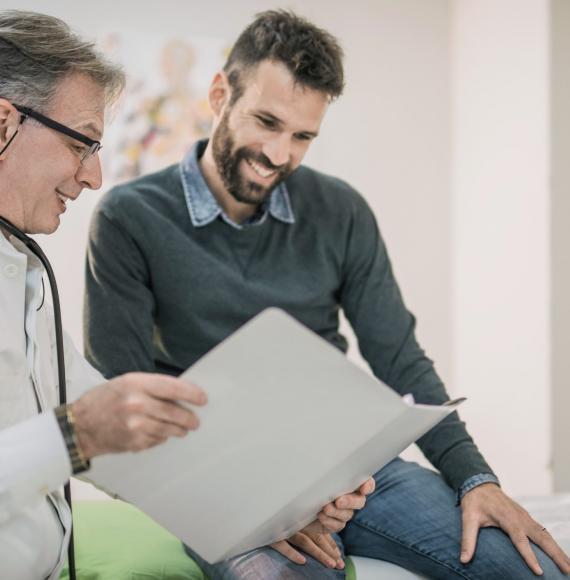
(278,150)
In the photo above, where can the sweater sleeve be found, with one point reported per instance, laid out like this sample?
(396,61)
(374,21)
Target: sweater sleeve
(118,301)
(373,305)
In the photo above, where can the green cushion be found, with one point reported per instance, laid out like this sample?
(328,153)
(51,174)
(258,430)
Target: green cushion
(116,541)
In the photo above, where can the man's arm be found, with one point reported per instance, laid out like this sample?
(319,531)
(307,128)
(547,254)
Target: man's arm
(372,302)
(119,302)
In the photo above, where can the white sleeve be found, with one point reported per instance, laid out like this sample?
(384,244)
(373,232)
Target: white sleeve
(80,376)
(33,462)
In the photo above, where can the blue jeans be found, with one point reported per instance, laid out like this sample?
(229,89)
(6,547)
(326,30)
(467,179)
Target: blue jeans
(412,520)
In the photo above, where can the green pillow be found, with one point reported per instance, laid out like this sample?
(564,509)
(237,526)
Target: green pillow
(116,541)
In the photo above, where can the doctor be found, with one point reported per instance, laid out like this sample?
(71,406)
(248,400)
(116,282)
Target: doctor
(54,89)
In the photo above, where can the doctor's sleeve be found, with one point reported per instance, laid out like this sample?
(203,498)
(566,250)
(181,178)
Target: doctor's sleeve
(119,304)
(80,376)
(33,462)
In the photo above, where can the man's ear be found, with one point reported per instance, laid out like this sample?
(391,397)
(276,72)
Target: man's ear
(9,123)
(219,93)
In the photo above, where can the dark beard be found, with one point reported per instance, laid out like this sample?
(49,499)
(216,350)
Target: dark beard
(228,165)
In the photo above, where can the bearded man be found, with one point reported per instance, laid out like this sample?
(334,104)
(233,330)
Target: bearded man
(180,259)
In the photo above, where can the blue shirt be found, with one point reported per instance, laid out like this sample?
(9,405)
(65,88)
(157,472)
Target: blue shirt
(204,208)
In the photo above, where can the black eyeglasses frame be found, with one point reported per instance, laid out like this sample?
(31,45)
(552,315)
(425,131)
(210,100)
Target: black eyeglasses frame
(94,145)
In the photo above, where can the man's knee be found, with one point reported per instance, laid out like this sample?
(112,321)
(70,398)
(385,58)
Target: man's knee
(410,478)
(266,564)
(497,558)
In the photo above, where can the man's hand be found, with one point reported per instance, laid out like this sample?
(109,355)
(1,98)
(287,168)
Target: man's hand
(315,540)
(487,506)
(335,515)
(133,412)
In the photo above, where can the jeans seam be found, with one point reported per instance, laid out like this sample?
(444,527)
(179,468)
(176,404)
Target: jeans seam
(416,550)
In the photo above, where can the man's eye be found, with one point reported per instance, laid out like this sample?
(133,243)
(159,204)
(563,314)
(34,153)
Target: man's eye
(268,123)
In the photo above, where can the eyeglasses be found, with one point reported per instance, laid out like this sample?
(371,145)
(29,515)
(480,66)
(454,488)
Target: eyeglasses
(92,146)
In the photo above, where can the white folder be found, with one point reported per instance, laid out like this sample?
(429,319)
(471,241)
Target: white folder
(290,425)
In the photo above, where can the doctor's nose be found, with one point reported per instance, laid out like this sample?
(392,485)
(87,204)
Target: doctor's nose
(89,173)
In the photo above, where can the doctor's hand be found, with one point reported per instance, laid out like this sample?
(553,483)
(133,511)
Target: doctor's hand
(133,412)
(488,506)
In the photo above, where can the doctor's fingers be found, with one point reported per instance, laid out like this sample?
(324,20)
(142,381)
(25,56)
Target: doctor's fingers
(169,413)
(144,434)
(164,387)
(140,426)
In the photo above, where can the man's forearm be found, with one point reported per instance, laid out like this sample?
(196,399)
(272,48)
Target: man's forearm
(451,450)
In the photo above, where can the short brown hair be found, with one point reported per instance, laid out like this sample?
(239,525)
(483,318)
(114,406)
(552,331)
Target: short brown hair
(312,55)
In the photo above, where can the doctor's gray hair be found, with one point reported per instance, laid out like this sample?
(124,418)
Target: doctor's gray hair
(37,52)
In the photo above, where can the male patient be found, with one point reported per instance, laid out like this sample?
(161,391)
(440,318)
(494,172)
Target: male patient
(180,259)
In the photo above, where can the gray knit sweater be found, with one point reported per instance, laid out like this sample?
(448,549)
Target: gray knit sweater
(161,292)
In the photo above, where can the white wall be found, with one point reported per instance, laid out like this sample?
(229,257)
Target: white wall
(560,240)
(501,233)
(432,85)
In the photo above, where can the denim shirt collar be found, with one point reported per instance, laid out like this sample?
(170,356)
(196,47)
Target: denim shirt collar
(204,208)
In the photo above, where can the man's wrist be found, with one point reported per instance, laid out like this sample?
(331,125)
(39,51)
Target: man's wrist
(66,422)
(475,481)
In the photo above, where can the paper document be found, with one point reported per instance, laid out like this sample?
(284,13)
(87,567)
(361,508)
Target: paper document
(290,425)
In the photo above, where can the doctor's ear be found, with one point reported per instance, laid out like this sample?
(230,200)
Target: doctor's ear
(10,121)
(220,93)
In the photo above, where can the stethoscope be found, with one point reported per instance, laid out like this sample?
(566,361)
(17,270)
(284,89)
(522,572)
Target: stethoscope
(33,246)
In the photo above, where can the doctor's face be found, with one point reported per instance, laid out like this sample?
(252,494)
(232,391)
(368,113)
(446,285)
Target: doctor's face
(262,138)
(45,165)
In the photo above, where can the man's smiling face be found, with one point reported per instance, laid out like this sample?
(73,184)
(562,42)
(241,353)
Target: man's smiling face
(262,138)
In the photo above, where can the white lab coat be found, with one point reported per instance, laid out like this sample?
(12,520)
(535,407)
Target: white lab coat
(34,464)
